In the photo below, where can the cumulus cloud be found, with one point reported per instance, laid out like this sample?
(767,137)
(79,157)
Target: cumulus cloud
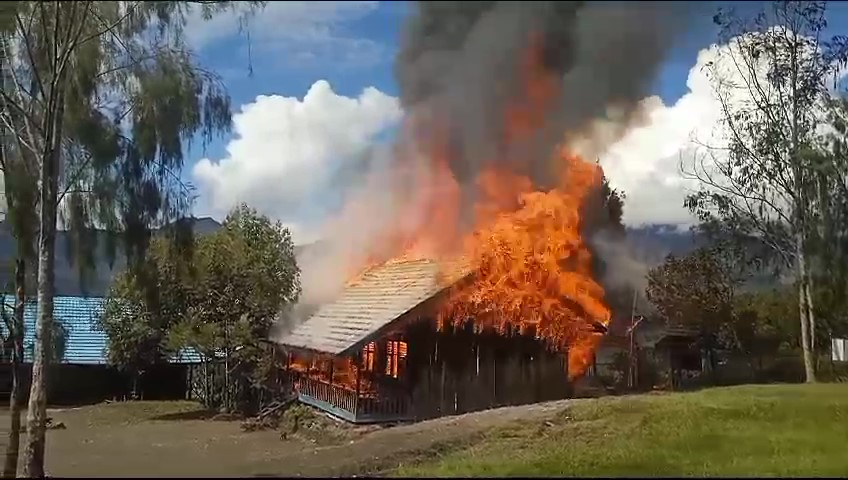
(287,155)
(645,162)
(301,33)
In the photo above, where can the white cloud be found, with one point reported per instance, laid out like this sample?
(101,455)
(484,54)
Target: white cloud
(300,33)
(646,162)
(287,154)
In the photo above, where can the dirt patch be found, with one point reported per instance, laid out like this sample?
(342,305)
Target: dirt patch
(384,450)
(157,439)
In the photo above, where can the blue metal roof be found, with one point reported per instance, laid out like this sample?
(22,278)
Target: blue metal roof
(85,343)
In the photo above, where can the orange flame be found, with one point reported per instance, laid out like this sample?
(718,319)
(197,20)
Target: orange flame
(532,266)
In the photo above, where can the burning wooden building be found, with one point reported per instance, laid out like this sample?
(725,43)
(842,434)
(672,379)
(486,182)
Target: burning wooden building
(377,353)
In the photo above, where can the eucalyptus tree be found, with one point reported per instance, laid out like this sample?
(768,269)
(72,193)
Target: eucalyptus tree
(774,84)
(103,98)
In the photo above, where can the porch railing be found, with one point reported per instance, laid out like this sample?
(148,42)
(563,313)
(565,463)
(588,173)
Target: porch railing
(362,408)
(335,395)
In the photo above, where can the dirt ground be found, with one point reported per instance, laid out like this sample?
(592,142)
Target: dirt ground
(158,439)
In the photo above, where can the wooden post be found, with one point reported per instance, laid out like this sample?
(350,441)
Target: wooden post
(537,363)
(287,376)
(670,370)
(442,389)
(595,365)
(631,382)
(494,401)
(189,386)
(356,398)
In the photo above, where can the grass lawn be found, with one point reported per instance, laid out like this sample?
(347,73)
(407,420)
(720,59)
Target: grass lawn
(777,430)
(769,430)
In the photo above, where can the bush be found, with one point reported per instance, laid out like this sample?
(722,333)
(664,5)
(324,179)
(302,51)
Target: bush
(830,371)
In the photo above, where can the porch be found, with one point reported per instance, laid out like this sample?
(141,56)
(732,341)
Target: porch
(346,403)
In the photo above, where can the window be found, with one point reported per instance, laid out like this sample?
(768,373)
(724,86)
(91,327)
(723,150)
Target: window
(395,357)
(368,357)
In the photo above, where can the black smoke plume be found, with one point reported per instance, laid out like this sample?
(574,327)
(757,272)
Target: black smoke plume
(459,63)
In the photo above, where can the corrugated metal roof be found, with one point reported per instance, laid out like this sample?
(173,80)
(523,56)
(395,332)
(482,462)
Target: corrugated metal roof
(376,298)
(85,343)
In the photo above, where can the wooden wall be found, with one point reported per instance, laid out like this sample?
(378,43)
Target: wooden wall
(445,372)
(456,371)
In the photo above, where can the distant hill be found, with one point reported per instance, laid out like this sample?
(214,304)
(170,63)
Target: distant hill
(655,242)
(652,243)
(67,275)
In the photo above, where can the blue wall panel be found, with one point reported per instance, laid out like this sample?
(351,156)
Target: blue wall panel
(84,343)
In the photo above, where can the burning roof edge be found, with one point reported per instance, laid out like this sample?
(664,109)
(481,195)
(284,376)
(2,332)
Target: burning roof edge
(400,319)
(376,301)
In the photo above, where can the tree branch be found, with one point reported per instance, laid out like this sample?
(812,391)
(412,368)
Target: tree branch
(28,46)
(109,28)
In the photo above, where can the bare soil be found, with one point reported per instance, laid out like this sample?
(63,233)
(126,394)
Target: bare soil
(158,439)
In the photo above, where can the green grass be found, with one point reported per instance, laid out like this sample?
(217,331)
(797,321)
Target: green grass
(769,430)
(128,413)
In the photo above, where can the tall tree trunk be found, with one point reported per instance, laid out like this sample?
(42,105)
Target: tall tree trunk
(227,380)
(804,310)
(811,315)
(10,465)
(49,179)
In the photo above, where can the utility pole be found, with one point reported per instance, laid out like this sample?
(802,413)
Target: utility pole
(633,366)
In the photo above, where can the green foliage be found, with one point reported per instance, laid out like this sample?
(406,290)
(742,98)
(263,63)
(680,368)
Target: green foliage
(696,290)
(246,274)
(143,303)
(765,321)
(768,182)
(133,341)
(705,290)
(761,187)
(221,300)
(129,95)
(758,185)
(100,99)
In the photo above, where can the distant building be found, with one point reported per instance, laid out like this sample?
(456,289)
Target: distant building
(839,349)
(80,370)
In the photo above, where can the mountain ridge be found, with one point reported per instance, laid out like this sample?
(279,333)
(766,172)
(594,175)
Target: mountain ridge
(653,242)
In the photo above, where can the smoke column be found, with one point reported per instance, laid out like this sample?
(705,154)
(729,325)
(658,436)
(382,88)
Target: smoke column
(457,71)
(458,61)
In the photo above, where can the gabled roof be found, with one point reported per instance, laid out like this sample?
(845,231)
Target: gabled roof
(652,334)
(379,296)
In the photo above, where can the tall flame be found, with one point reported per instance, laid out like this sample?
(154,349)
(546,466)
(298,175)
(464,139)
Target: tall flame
(533,268)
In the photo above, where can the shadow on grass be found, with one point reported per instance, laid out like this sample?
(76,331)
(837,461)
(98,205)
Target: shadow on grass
(199,414)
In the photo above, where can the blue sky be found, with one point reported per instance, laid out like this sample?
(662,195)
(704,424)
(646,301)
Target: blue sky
(351,45)
(382,25)
(273,75)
